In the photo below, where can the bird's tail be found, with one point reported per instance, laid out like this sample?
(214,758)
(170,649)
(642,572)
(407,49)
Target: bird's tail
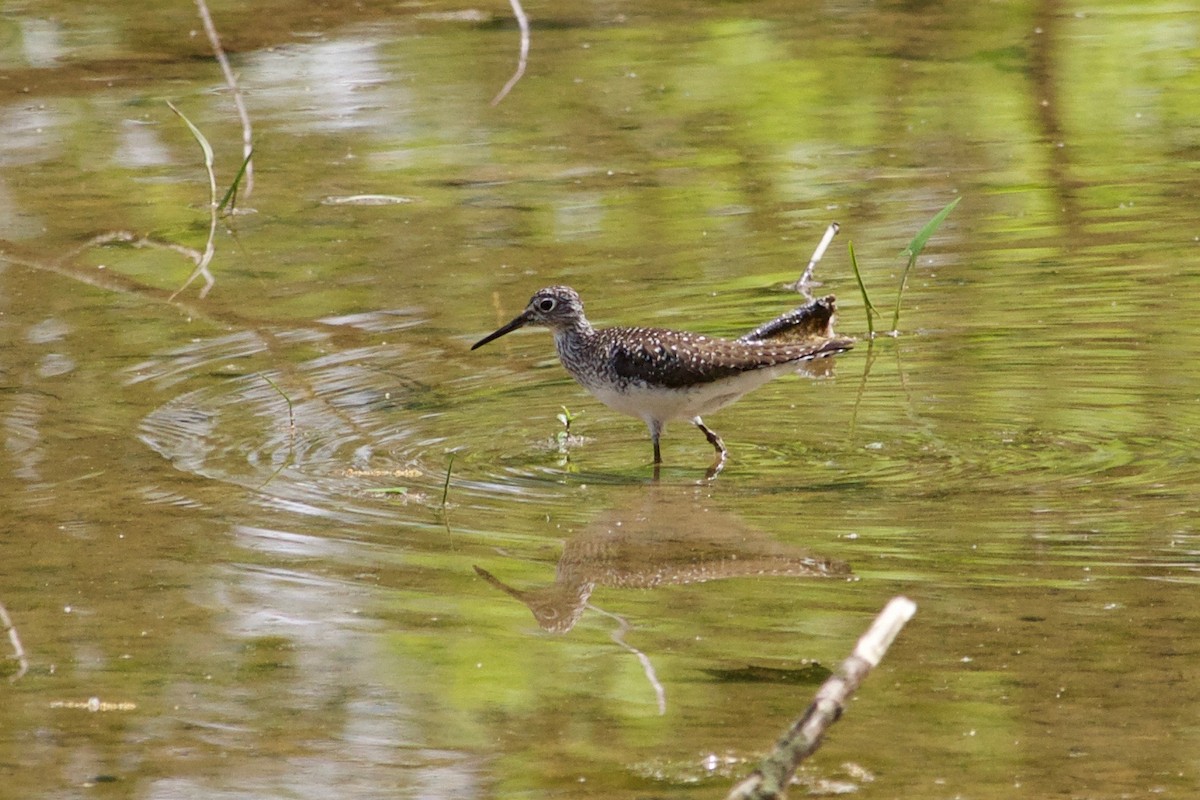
(812,322)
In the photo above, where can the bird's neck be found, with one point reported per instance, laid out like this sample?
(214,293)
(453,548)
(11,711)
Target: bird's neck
(573,342)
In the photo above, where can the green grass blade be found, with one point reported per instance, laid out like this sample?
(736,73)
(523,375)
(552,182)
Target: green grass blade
(446,485)
(867,304)
(205,146)
(231,195)
(286,399)
(914,250)
(918,243)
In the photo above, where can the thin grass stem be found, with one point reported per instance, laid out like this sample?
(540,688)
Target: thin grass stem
(867,304)
(446,484)
(209,247)
(230,198)
(286,399)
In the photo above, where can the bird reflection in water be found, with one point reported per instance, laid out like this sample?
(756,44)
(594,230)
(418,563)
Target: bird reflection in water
(667,541)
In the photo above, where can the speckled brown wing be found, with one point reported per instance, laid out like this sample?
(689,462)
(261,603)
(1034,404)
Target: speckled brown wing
(674,359)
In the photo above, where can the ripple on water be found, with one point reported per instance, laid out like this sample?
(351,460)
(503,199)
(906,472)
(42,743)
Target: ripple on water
(306,436)
(996,459)
(343,435)
(1067,406)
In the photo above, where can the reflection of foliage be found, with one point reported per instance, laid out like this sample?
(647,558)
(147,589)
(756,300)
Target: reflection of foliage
(1055,383)
(813,672)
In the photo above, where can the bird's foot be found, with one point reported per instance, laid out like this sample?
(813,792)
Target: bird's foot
(717,444)
(715,470)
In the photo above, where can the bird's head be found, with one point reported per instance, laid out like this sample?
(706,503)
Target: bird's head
(556,307)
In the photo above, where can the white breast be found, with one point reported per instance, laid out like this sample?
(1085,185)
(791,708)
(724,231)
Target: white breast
(639,400)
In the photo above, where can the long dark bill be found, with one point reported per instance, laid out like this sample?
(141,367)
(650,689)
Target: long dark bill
(519,322)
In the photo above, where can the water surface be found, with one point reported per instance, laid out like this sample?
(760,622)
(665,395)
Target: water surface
(223,516)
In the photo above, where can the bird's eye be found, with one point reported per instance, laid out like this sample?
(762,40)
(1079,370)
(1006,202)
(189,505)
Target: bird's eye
(546,304)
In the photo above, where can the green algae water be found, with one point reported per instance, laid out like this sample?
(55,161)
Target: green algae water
(224,549)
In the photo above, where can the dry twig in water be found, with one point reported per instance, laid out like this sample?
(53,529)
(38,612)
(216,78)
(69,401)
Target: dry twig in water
(18,650)
(806,280)
(231,81)
(618,636)
(771,779)
(523,22)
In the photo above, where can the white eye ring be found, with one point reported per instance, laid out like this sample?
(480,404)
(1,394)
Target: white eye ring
(546,304)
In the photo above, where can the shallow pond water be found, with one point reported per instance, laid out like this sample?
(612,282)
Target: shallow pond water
(292,538)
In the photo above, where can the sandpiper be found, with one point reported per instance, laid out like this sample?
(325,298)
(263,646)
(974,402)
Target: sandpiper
(658,375)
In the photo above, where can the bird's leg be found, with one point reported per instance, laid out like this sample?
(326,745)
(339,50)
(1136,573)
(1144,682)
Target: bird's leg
(656,428)
(716,442)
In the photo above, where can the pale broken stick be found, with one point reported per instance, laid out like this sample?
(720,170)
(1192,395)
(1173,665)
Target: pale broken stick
(771,779)
(214,39)
(806,280)
(523,57)
(15,641)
